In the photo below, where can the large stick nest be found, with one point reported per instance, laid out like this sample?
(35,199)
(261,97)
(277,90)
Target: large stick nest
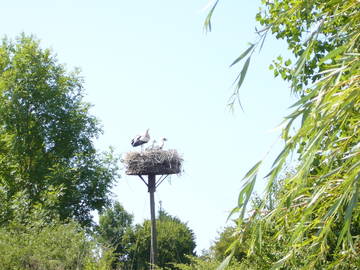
(158,162)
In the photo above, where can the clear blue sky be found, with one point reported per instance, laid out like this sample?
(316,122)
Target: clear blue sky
(149,64)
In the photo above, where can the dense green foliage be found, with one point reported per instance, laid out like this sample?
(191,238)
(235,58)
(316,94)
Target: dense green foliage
(317,213)
(205,263)
(221,248)
(175,241)
(46,135)
(132,243)
(50,172)
(115,226)
(51,247)
(35,239)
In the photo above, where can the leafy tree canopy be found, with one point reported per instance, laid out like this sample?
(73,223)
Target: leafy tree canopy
(51,247)
(317,213)
(175,241)
(131,243)
(222,246)
(115,226)
(36,239)
(46,134)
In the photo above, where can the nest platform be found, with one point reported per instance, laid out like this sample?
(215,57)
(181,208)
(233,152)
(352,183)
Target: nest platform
(156,162)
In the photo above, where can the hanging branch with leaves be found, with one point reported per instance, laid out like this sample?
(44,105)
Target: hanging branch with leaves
(317,213)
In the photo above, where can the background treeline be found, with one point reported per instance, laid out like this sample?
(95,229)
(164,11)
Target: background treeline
(131,243)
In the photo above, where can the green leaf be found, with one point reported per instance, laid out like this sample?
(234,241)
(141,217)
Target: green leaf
(245,53)
(280,262)
(334,208)
(248,191)
(333,53)
(300,65)
(304,99)
(207,24)
(235,210)
(243,72)
(253,170)
(225,262)
(349,211)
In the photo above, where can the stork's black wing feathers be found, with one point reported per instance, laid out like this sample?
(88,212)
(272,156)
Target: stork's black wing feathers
(137,143)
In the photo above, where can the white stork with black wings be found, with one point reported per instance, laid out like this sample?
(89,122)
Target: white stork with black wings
(159,146)
(163,140)
(141,139)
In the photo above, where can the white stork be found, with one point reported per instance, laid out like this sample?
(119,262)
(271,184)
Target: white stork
(159,147)
(141,139)
(152,146)
(163,140)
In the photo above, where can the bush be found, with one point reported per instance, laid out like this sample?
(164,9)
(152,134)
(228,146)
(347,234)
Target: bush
(52,247)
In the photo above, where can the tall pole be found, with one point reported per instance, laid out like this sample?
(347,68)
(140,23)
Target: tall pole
(153,247)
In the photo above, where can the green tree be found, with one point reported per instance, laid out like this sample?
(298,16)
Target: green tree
(51,247)
(318,212)
(235,244)
(115,224)
(222,246)
(175,242)
(46,134)
(36,239)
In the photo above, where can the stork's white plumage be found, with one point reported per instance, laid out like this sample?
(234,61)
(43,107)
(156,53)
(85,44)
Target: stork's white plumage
(163,140)
(152,146)
(161,145)
(141,139)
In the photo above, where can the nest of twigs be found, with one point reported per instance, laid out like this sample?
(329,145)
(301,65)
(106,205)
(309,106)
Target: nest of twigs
(158,162)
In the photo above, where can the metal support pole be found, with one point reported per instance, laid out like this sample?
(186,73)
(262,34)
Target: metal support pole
(153,247)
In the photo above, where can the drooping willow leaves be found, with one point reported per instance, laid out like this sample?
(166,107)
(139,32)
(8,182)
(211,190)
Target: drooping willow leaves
(317,210)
